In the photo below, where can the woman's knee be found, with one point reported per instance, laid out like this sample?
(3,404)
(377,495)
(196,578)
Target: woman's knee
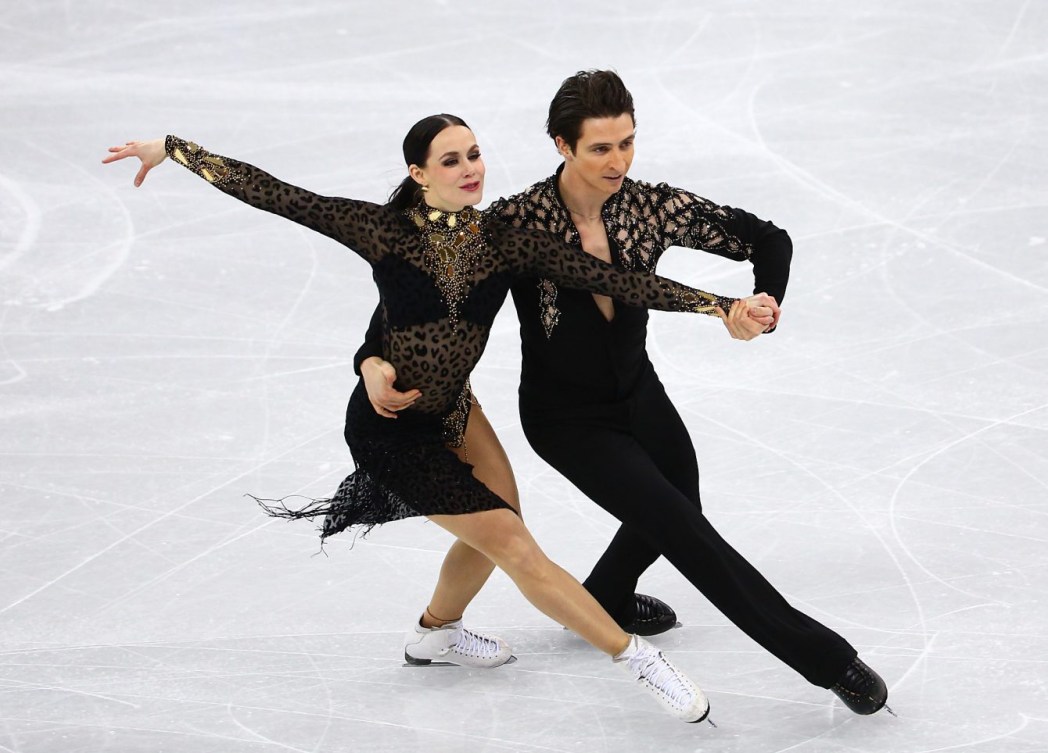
(518,554)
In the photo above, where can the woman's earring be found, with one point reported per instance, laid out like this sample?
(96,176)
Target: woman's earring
(423,188)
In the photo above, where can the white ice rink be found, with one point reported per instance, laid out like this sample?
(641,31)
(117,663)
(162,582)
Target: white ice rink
(883,458)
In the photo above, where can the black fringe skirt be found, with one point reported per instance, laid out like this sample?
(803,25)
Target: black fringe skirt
(403,469)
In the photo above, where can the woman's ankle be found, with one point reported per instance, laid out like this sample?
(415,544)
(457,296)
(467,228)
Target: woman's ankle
(430,620)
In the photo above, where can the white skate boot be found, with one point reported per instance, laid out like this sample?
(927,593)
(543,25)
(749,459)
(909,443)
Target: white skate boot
(454,644)
(653,671)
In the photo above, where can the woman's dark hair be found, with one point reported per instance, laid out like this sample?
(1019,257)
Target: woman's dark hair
(416,149)
(587,94)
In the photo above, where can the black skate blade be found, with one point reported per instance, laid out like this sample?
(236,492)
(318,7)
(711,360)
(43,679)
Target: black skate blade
(419,663)
(416,664)
(704,718)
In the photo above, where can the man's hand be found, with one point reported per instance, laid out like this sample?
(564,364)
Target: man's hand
(379,376)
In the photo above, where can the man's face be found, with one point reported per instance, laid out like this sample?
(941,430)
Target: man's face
(603,154)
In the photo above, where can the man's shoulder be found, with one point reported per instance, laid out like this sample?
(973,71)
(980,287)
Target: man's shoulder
(533,195)
(644,189)
(666,196)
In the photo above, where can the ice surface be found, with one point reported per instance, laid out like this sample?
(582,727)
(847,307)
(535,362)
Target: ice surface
(883,458)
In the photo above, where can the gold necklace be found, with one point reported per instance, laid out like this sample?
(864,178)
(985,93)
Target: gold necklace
(452,243)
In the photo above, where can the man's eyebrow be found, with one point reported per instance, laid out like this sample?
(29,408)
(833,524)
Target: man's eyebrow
(609,143)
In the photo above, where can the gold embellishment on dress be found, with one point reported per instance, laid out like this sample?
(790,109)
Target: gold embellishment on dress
(455,422)
(704,303)
(452,243)
(210,167)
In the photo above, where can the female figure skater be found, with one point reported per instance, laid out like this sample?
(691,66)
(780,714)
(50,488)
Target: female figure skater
(443,270)
(592,406)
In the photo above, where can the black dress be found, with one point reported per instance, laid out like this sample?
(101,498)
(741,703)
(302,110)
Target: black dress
(442,278)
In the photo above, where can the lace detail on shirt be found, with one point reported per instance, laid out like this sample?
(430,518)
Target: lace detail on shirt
(548,306)
(703,223)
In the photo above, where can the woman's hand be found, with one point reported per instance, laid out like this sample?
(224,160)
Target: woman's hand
(152,153)
(379,376)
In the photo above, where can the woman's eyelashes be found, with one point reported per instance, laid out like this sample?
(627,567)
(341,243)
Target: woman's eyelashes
(452,161)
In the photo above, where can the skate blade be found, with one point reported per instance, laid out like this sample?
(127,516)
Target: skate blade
(418,663)
(704,718)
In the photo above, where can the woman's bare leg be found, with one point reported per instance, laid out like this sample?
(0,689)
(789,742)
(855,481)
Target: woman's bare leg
(465,570)
(502,537)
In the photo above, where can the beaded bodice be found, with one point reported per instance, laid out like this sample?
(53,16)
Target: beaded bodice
(453,244)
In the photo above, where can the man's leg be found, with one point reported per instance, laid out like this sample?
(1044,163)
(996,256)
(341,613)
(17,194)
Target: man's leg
(618,570)
(629,485)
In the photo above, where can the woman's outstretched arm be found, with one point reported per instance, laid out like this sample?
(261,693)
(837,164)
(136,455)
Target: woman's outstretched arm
(360,225)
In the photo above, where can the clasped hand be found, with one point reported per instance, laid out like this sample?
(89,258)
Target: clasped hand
(751,316)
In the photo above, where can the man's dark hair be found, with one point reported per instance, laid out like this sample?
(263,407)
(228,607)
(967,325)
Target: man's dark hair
(587,94)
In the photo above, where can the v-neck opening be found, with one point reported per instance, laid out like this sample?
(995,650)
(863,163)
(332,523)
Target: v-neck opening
(613,248)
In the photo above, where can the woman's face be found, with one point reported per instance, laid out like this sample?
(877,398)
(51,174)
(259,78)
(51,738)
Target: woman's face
(454,170)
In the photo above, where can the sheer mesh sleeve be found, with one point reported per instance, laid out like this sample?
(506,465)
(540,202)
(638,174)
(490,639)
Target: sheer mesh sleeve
(355,224)
(538,254)
(694,222)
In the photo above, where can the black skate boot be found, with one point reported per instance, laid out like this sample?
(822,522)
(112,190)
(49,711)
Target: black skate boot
(862,690)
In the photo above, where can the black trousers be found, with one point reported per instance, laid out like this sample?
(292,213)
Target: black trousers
(636,460)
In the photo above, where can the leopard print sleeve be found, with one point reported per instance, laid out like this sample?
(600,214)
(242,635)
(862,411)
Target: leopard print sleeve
(534,253)
(350,222)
